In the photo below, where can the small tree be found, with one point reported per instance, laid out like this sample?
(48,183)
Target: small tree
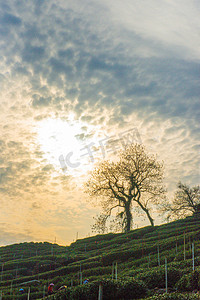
(186,202)
(134,180)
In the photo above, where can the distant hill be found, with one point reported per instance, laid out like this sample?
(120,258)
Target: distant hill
(133,260)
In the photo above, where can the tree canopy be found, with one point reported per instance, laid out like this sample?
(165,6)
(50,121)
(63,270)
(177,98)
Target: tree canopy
(134,180)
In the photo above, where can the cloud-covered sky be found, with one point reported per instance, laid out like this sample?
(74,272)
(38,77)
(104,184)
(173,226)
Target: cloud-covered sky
(73,72)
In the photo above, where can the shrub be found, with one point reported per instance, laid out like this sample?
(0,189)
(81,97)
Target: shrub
(120,255)
(131,289)
(156,277)
(97,271)
(125,289)
(174,296)
(189,282)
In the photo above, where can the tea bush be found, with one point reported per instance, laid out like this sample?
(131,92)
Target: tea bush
(189,282)
(112,290)
(175,296)
(131,289)
(156,277)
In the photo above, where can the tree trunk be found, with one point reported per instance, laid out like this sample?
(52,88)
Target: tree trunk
(147,212)
(149,217)
(128,217)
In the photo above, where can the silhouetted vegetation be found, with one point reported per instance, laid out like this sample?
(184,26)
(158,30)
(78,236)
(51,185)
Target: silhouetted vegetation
(186,202)
(135,180)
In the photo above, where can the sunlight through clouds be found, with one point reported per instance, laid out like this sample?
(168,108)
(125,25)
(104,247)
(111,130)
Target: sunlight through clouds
(60,140)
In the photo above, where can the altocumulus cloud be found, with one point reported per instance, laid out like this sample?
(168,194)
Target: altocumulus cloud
(118,65)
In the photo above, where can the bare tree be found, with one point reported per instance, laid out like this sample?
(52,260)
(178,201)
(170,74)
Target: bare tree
(136,179)
(186,202)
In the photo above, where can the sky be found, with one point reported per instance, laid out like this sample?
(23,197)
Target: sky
(76,75)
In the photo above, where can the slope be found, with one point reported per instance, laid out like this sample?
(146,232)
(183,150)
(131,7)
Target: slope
(139,254)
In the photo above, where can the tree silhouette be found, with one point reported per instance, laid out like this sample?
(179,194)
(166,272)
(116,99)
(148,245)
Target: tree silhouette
(186,202)
(136,179)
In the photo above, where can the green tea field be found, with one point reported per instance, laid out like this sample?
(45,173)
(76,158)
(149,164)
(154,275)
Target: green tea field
(141,264)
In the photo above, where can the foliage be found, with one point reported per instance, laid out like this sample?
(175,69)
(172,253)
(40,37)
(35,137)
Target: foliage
(121,289)
(132,289)
(156,277)
(189,282)
(175,296)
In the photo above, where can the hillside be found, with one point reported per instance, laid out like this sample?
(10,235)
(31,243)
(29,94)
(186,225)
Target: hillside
(140,254)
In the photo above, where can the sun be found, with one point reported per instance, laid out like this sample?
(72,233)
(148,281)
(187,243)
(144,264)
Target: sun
(65,144)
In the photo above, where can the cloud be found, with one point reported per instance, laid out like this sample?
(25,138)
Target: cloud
(167,23)
(111,76)
(9,19)
(33,54)
(8,238)
(40,101)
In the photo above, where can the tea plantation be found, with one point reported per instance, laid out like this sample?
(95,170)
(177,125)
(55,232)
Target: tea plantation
(124,266)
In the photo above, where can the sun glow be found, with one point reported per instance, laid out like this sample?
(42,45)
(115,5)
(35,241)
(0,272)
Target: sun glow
(64,144)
